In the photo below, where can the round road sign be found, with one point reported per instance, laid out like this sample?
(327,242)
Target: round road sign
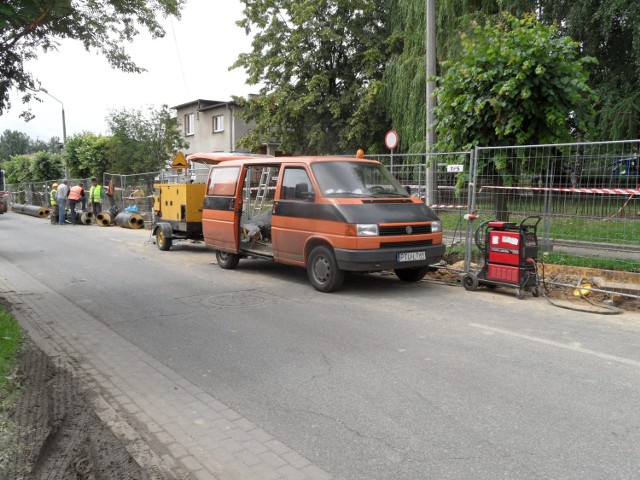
(391,139)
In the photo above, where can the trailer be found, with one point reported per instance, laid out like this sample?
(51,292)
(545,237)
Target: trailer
(177,206)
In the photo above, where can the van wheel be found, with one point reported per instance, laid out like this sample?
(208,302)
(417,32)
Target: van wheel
(411,274)
(323,271)
(163,237)
(227,261)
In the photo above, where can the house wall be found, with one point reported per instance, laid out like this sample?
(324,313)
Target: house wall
(204,138)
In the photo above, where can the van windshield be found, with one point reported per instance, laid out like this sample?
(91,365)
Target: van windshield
(356,179)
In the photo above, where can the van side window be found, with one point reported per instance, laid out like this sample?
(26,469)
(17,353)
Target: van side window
(296,184)
(222,181)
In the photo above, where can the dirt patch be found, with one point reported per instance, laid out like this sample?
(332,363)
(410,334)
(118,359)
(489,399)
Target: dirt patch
(55,434)
(567,275)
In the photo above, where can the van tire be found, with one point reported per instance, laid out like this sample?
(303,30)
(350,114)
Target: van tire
(411,274)
(227,261)
(323,271)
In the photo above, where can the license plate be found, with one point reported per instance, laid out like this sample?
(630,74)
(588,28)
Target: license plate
(412,256)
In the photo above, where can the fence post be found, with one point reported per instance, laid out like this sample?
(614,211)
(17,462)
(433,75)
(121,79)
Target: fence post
(471,205)
(546,215)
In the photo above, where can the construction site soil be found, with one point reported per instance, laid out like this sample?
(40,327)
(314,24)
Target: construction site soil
(48,431)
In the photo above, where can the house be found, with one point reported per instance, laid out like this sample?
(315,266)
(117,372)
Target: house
(211,125)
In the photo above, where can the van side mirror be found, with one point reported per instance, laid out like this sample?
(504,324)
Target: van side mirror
(308,196)
(408,189)
(302,191)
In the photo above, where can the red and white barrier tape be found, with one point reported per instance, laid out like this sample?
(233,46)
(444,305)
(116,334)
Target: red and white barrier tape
(603,191)
(447,206)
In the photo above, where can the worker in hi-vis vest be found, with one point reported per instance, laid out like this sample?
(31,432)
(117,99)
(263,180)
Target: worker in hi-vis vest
(96,194)
(54,205)
(76,195)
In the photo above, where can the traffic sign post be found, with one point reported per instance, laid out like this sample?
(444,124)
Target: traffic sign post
(391,140)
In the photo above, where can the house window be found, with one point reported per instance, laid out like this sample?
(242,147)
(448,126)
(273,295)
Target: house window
(190,124)
(218,123)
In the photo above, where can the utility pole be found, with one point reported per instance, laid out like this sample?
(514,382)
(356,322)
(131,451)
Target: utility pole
(431,177)
(64,130)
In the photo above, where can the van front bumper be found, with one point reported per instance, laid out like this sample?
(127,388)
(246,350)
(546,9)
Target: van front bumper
(385,259)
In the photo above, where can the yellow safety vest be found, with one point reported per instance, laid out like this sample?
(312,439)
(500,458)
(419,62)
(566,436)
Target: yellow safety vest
(95,194)
(52,197)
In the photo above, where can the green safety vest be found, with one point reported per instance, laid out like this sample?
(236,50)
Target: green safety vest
(52,197)
(95,194)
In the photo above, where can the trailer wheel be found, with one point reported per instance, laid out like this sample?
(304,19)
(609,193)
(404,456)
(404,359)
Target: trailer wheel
(163,237)
(227,261)
(323,271)
(535,291)
(470,282)
(411,274)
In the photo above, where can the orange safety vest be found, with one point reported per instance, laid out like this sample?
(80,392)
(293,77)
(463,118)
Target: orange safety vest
(75,194)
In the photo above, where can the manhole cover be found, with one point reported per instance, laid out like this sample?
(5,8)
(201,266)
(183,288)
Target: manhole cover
(236,299)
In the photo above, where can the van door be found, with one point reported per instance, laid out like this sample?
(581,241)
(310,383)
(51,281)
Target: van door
(293,219)
(221,209)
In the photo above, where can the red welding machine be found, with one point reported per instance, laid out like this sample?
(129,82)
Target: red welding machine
(510,255)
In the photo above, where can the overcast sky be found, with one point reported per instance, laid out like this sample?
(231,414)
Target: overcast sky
(190,65)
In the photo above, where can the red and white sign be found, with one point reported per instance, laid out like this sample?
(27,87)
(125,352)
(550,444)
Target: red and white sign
(391,139)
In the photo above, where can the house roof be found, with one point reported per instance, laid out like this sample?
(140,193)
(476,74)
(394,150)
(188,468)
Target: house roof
(202,104)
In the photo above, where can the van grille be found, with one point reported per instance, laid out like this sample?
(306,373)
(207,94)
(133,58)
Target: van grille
(402,230)
(419,243)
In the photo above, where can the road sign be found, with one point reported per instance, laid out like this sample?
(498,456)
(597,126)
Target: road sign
(179,161)
(391,139)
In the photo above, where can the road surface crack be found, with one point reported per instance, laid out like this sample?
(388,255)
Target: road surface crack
(328,366)
(355,431)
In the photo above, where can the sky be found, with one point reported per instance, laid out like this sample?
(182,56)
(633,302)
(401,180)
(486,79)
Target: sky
(192,61)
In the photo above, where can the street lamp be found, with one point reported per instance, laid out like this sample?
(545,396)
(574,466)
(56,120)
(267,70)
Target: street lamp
(64,127)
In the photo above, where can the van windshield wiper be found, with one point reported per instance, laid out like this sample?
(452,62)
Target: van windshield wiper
(387,194)
(343,194)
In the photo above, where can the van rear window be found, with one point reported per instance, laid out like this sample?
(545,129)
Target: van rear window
(222,181)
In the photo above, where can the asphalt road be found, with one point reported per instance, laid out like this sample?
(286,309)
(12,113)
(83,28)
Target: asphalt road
(381,380)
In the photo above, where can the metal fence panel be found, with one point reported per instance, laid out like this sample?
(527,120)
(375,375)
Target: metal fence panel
(587,194)
(451,193)
(132,191)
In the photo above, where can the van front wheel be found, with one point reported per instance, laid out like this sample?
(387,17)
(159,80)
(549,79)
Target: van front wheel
(411,274)
(323,271)
(227,261)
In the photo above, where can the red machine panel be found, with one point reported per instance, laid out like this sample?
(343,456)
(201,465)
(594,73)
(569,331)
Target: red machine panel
(504,273)
(504,247)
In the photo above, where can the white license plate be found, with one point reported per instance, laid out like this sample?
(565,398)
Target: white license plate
(412,256)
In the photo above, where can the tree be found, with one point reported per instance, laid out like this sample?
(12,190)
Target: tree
(87,154)
(610,31)
(28,27)
(13,142)
(143,142)
(46,166)
(404,78)
(516,82)
(18,169)
(320,63)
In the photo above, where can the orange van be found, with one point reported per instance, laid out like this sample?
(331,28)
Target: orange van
(328,214)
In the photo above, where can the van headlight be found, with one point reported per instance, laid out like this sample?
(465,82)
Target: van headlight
(367,230)
(436,226)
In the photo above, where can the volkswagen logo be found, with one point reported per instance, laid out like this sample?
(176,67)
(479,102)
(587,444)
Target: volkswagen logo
(409,230)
